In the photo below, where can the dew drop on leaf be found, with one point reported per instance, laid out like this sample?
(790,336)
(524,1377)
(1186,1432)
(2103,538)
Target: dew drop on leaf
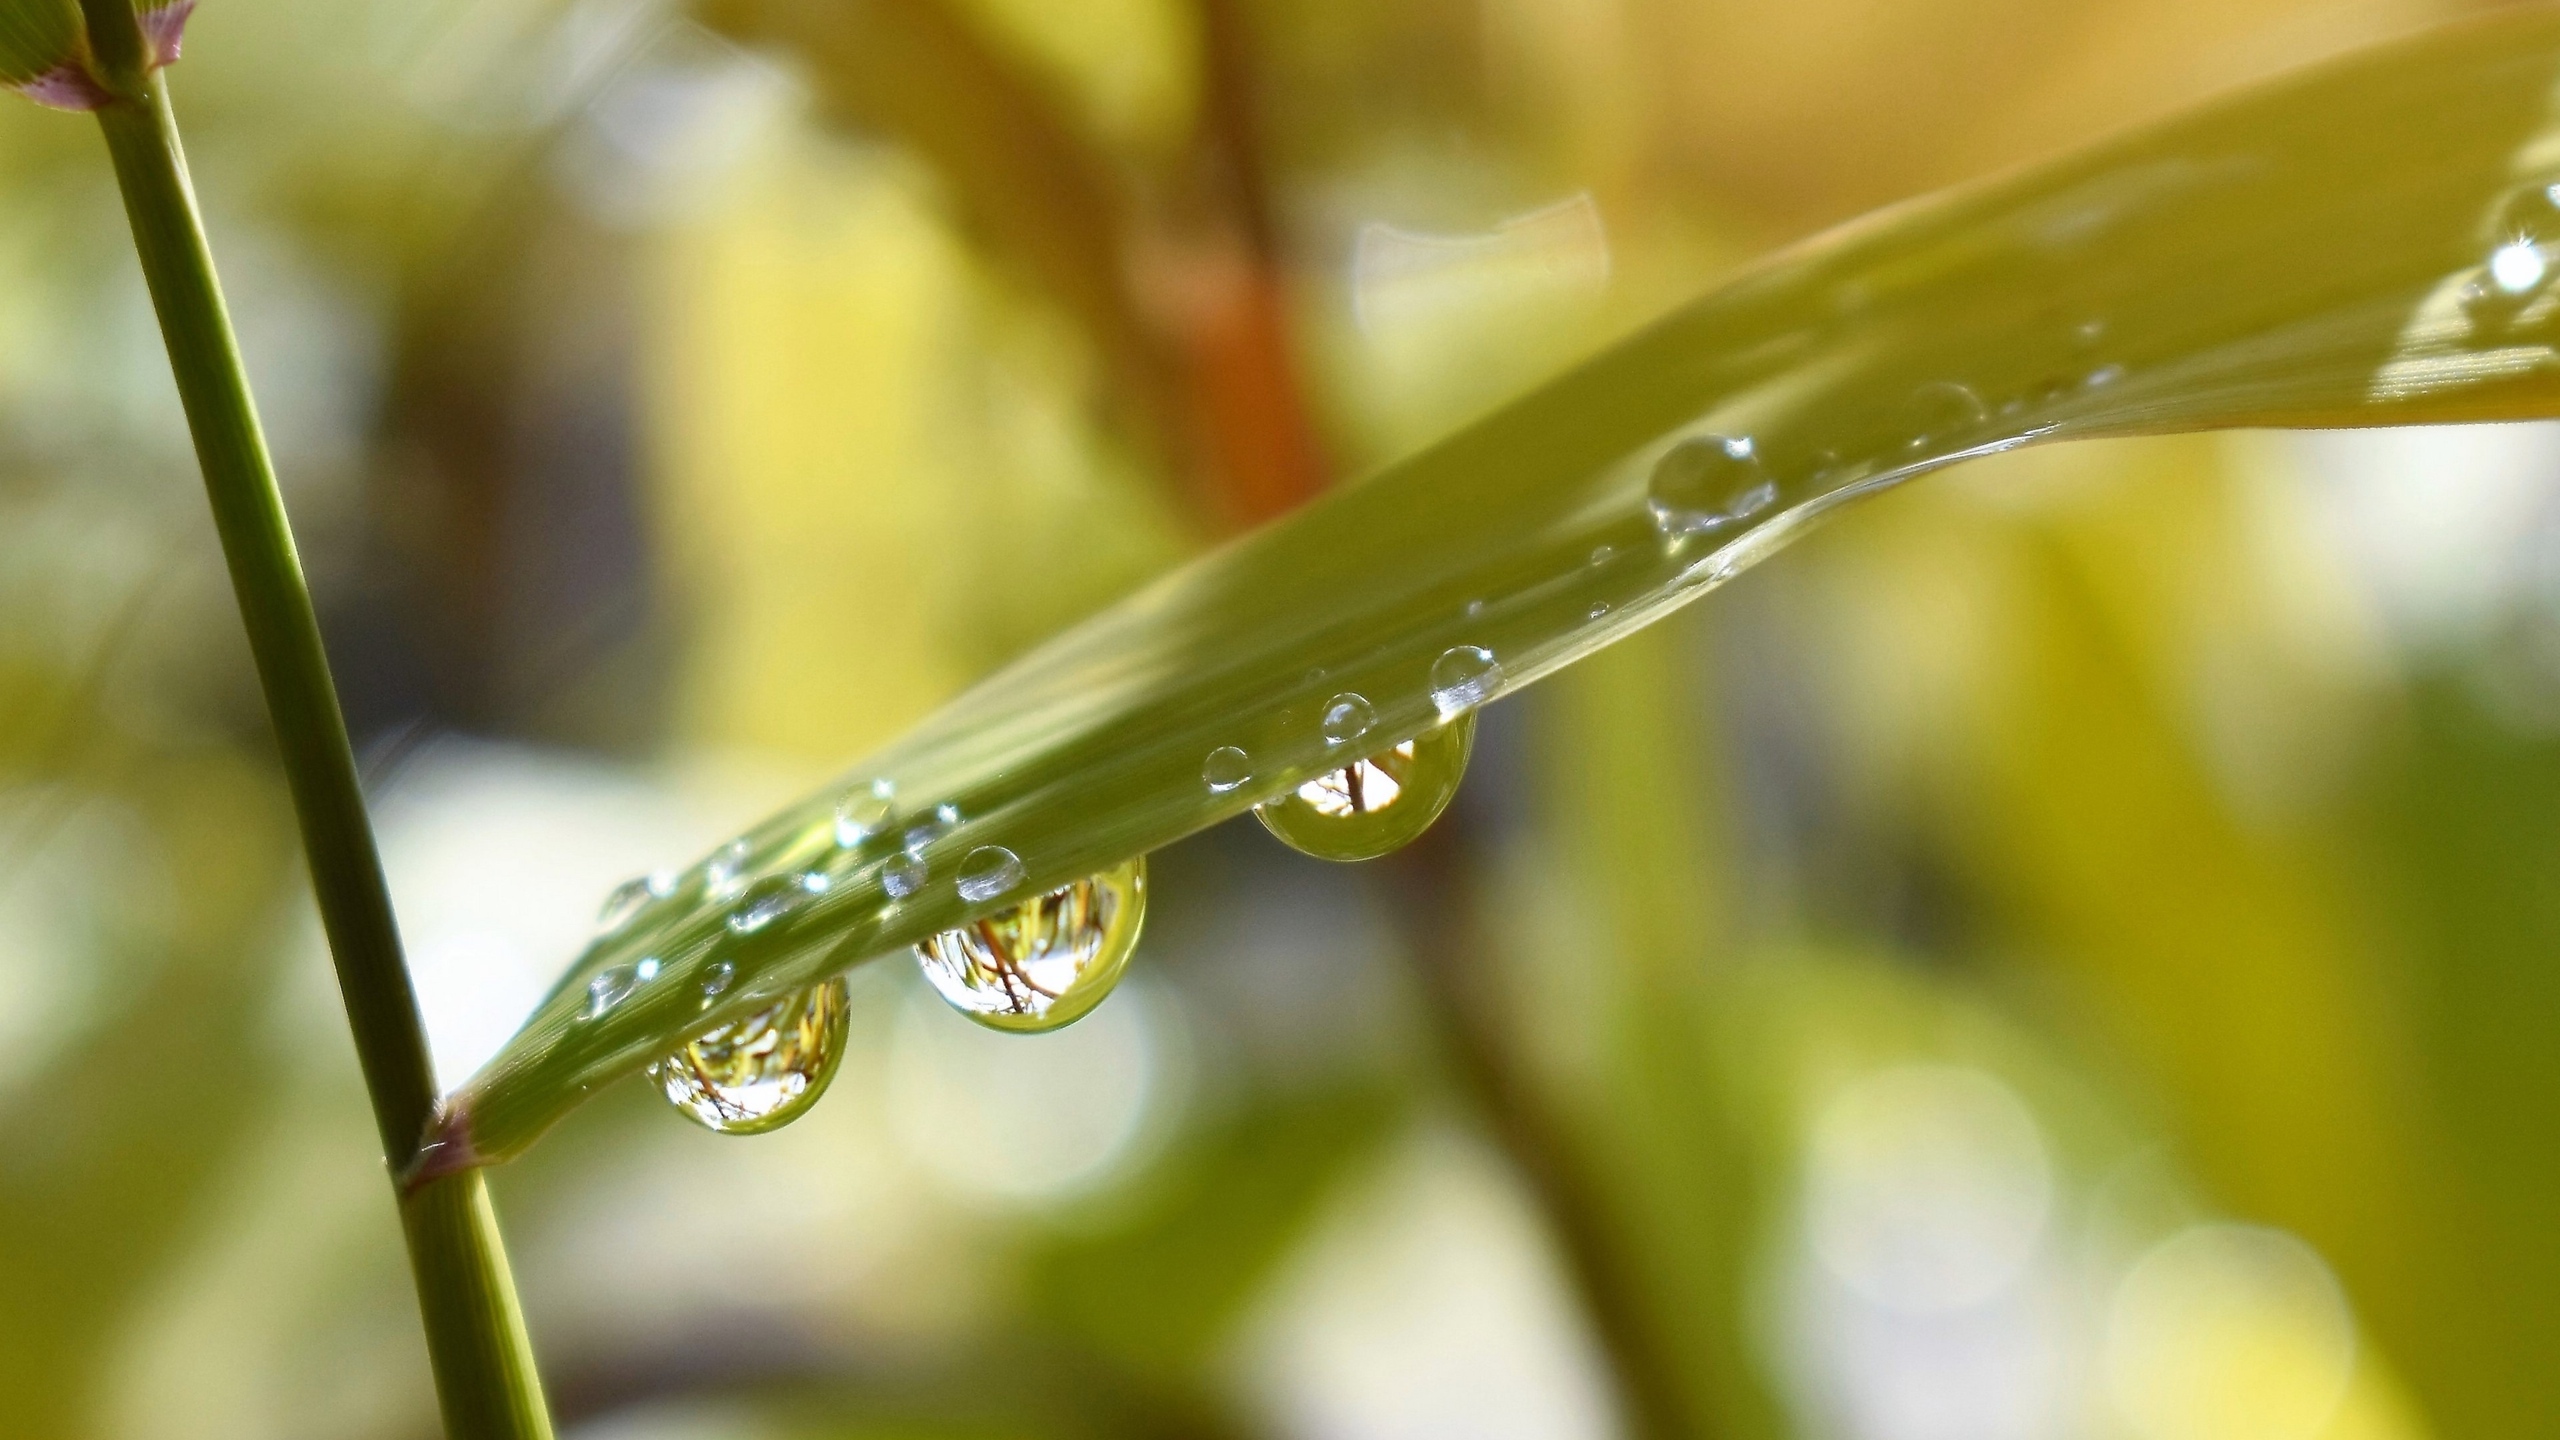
(1942,410)
(1462,678)
(761,1071)
(863,812)
(607,989)
(1226,768)
(1347,717)
(769,900)
(904,875)
(1045,962)
(625,904)
(1707,482)
(987,872)
(725,873)
(1375,805)
(716,981)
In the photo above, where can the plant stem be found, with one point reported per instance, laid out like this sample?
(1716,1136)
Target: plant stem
(485,1378)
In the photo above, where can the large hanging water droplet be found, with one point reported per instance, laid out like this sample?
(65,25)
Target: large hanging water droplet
(864,811)
(1047,961)
(1464,677)
(1707,482)
(761,1071)
(1378,804)
(1226,768)
(987,872)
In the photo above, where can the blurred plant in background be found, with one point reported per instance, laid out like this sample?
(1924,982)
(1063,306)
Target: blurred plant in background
(2059,955)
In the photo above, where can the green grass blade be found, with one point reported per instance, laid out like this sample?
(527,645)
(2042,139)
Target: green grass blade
(2325,251)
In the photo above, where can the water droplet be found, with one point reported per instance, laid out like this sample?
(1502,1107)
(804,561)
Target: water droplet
(768,900)
(761,1071)
(864,811)
(1600,554)
(1599,608)
(2517,266)
(904,875)
(1347,717)
(1474,608)
(1377,804)
(1226,768)
(724,874)
(1464,677)
(625,904)
(1707,482)
(937,822)
(1047,961)
(1942,409)
(2089,332)
(989,871)
(2104,376)
(646,970)
(607,989)
(716,981)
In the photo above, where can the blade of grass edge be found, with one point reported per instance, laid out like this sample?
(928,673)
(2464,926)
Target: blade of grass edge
(2313,253)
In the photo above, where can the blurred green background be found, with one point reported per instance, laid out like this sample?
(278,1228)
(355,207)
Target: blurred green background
(2065,952)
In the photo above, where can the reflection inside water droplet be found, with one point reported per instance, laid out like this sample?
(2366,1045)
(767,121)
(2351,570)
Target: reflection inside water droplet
(989,871)
(1377,804)
(863,812)
(716,980)
(1226,768)
(1347,717)
(905,874)
(1707,482)
(761,1071)
(1464,677)
(1047,961)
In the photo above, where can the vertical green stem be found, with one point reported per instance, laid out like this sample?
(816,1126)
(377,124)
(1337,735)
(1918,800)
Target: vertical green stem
(484,1371)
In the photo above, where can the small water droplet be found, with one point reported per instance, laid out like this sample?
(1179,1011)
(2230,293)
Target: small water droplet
(1707,482)
(1376,804)
(761,1071)
(987,872)
(1600,554)
(865,811)
(625,904)
(2104,376)
(607,989)
(905,875)
(768,900)
(1045,962)
(1475,608)
(1464,677)
(1226,768)
(1599,608)
(724,874)
(716,981)
(2517,266)
(937,822)
(1943,409)
(1347,717)
(2089,332)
